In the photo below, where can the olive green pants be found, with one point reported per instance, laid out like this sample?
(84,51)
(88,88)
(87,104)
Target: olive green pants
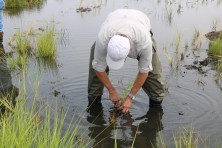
(153,85)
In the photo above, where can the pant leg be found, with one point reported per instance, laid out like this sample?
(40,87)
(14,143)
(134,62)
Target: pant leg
(154,86)
(95,86)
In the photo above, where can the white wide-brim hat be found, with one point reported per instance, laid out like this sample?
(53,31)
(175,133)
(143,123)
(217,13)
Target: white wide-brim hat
(117,51)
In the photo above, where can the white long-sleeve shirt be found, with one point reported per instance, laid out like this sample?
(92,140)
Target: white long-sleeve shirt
(133,24)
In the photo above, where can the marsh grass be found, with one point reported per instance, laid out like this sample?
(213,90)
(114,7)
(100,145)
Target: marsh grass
(126,90)
(22,43)
(215,24)
(9,4)
(17,63)
(46,43)
(169,13)
(219,70)
(197,39)
(188,138)
(184,138)
(36,125)
(176,58)
(215,48)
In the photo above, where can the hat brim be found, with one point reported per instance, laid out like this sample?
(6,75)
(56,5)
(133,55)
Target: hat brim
(114,64)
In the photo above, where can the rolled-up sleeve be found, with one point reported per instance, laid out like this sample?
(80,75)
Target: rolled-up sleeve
(99,61)
(145,59)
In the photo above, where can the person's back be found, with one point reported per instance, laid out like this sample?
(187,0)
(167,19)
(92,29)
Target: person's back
(132,23)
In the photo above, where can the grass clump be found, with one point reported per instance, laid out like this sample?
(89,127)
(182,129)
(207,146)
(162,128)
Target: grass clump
(187,138)
(22,3)
(215,48)
(33,124)
(184,138)
(22,44)
(17,63)
(46,43)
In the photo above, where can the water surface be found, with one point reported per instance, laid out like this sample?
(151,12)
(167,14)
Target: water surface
(187,101)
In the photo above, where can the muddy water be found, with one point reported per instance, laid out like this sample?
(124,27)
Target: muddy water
(192,98)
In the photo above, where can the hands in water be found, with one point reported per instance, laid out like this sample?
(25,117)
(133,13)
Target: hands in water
(123,105)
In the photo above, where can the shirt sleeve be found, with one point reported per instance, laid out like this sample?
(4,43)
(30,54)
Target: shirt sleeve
(99,61)
(145,59)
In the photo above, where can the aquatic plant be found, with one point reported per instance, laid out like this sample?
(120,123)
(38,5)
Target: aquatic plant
(169,13)
(215,24)
(219,70)
(169,57)
(36,124)
(17,63)
(22,3)
(46,43)
(22,43)
(126,90)
(215,48)
(186,45)
(187,138)
(197,39)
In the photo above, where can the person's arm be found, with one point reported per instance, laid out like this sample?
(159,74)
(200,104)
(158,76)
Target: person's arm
(113,93)
(141,78)
(145,58)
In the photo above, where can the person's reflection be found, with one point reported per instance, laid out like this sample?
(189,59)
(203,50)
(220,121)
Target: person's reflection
(148,130)
(98,129)
(7,90)
(104,135)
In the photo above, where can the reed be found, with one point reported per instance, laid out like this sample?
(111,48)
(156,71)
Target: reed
(46,43)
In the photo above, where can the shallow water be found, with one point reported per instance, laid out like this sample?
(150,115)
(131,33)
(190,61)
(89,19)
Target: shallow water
(192,98)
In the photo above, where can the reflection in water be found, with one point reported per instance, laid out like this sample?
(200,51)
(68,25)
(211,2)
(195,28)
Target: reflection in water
(148,130)
(48,64)
(7,90)
(105,135)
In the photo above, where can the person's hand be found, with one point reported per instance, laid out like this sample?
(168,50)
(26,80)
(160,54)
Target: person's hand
(126,105)
(114,96)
